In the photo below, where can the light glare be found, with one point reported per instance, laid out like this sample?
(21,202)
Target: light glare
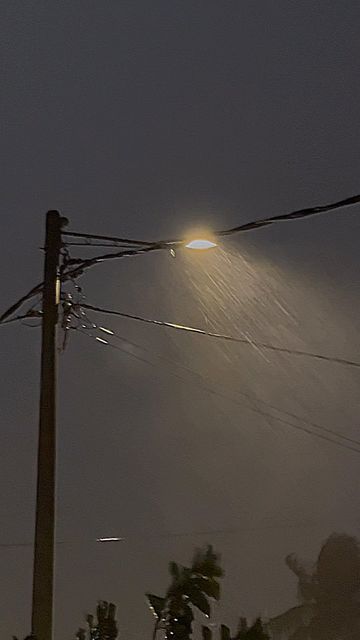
(201,244)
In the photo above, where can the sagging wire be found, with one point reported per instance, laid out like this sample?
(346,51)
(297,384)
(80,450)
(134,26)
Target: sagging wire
(221,395)
(108,343)
(170,534)
(249,226)
(145,247)
(34,312)
(32,326)
(72,314)
(223,336)
(30,294)
(89,236)
(310,425)
(70,303)
(34,291)
(203,379)
(295,215)
(25,316)
(90,245)
(79,265)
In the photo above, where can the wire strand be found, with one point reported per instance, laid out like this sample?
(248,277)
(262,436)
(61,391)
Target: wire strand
(91,236)
(248,396)
(249,226)
(295,215)
(221,336)
(168,244)
(145,247)
(91,245)
(33,292)
(82,265)
(205,380)
(307,430)
(24,316)
(171,534)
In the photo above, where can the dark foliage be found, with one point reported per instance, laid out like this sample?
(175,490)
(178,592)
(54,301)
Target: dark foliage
(105,625)
(190,587)
(329,595)
(255,631)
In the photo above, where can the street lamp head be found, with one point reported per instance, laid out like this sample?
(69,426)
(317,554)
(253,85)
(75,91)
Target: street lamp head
(201,244)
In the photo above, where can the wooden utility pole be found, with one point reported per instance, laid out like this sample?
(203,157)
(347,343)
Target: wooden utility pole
(43,579)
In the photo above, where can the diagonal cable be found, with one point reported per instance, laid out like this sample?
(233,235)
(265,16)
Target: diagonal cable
(167,244)
(222,336)
(248,226)
(78,265)
(205,381)
(256,410)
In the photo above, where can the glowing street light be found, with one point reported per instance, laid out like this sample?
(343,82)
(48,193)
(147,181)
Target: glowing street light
(201,244)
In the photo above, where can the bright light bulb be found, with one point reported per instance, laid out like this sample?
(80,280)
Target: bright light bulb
(201,244)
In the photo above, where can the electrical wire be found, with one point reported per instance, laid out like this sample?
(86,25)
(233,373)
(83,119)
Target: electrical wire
(91,236)
(24,316)
(145,247)
(258,411)
(33,313)
(33,292)
(221,336)
(91,245)
(295,215)
(168,244)
(82,265)
(205,380)
(114,346)
(171,534)
(249,226)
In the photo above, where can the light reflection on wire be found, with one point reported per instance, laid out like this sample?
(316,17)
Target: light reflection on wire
(309,429)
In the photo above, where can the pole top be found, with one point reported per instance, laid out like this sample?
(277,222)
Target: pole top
(53,217)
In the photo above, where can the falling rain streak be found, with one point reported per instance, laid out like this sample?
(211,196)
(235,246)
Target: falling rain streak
(250,296)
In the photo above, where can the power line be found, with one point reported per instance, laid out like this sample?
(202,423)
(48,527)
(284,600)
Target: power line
(24,316)
(91,245)
(212,391)
(234,391)
(146,247)
(221,336)
(171,534)
(81,265)
(203,379)
(295,215)
(33,292)
(249,226)
(91,236)
(114,346)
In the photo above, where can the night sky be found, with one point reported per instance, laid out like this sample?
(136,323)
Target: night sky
(148,119)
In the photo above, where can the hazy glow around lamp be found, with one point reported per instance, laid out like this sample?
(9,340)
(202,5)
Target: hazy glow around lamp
(201,243)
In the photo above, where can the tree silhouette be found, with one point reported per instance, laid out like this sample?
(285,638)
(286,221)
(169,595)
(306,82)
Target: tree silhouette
(244,632)
(105,626)
(190,587)
(329,595)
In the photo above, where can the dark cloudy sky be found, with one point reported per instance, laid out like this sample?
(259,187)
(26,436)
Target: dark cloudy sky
(146,119)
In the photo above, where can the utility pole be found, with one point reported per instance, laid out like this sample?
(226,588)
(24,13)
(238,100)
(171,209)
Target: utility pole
(43,578)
